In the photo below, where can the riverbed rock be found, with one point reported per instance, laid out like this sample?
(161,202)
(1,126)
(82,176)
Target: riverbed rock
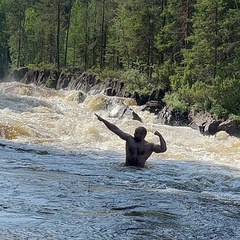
(18,74)
(231,127)
(83,82)
(203,122)
(73,79)
(153,102)
(122,111)
(42,77)
(173,117)
(207,125)
(113,87)
(153,106)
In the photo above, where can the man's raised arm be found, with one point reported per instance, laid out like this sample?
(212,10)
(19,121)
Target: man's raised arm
(113,128)
(163,146)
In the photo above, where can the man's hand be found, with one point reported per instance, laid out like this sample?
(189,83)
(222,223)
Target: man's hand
(99,118)
(163,146)
(157,133)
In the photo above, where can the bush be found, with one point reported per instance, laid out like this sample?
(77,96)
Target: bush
(135,81)
(173,101)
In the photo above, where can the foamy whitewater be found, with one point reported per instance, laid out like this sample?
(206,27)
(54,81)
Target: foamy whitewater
(62,173)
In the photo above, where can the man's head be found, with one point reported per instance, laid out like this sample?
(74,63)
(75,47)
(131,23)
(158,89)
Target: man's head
(140,134)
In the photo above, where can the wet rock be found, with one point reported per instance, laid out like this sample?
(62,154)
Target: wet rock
(122,111)
(207,125)
(18,74)
(153,106)
(83,82)
(72,79)
(173,117)
(118,111)
(211,128)
(164,116)
(78,96)
(110,88)
(222,135)
(230,126)
(141,100)
(152,100)
(43,77)
(30,77)
(203,122)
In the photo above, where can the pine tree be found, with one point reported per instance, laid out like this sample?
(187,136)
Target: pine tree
(209,71)
(16,12)
(132,38)
(4,52)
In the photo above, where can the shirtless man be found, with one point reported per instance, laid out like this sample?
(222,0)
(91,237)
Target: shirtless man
(138,150)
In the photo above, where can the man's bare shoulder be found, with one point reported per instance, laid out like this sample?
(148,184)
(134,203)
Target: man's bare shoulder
(123,135)
(129,137)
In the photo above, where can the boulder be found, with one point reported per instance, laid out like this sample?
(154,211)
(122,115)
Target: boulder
(78,96)
(30,77)
(83,82)
(153,106)
(210,128)
(122,111)
(203,122)
(230,126)
(18,74)
(173,117)
(43,77)
(164,116)
(207,125)
(109,88)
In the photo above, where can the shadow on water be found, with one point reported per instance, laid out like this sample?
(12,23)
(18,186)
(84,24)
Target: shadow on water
(52,194)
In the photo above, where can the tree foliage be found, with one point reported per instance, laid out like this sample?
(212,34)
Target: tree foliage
(4,51)
(189,48)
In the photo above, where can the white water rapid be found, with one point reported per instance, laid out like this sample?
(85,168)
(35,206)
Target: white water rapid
(62,173)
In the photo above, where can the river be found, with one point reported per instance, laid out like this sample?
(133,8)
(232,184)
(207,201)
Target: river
(62,174)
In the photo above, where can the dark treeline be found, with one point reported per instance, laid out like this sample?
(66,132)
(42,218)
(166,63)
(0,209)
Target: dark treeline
(188,48)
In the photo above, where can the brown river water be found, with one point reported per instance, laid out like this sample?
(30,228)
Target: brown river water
(62,174)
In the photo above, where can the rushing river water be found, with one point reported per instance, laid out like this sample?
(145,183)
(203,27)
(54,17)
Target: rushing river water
(62,174)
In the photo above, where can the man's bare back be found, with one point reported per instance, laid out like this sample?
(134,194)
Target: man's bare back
(138,150)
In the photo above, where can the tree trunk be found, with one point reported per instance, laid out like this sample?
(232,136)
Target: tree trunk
(102,47)
(215,41)
(86,38)
(58,33)
(67,33)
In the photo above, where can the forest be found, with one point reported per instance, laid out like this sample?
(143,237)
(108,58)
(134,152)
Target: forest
(189,49)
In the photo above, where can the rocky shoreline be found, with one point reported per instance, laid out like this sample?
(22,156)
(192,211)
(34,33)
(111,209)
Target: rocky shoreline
(89,83)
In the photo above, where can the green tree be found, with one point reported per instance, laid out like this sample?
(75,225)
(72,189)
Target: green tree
(49,31)
(16,12)
(88,33)
(33,46)
(68,11)
(45,26)
(4,52)
(133,35)
(209,66)
(133,31)
(79,34)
